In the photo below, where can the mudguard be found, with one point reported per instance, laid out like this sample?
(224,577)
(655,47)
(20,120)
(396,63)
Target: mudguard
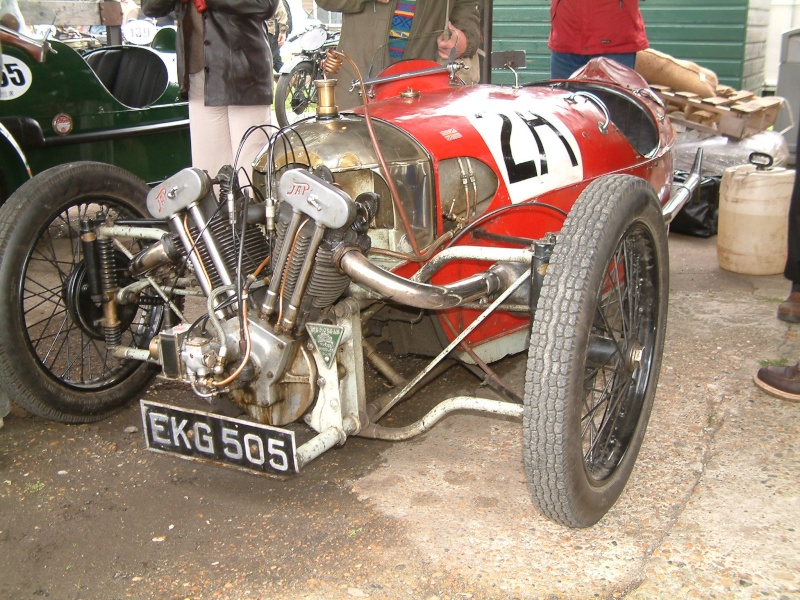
(290,64)
(14,171)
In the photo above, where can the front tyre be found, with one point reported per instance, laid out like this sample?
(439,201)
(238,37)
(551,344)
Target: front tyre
(53,358)
(295,94)
(596,345)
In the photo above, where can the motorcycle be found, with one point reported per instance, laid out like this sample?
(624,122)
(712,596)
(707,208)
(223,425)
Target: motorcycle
(295,94)
(458,223)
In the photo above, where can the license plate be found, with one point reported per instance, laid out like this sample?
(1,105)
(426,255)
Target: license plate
(200,435)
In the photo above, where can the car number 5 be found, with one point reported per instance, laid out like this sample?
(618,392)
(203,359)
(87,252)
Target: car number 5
(16,78)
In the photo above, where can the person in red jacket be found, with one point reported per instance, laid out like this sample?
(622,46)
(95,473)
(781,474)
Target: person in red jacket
(584,29)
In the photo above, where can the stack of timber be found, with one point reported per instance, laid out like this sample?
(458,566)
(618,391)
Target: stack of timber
(736,114)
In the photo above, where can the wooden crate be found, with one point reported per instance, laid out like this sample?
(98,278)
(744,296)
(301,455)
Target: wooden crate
(736,114)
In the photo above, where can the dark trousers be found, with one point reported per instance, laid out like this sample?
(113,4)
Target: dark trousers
(277,63)
(562,64)
(792,270)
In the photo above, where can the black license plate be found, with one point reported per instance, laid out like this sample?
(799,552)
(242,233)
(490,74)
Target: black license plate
(199,435)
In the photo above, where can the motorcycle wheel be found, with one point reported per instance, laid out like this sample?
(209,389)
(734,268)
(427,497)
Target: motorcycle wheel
(596,345)
(295,94)
(53,357)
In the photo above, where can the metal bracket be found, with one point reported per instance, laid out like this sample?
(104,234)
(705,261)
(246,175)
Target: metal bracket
(542,250)
(512,60)
(342,394)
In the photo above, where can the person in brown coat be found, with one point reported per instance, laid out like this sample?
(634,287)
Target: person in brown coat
(377,33)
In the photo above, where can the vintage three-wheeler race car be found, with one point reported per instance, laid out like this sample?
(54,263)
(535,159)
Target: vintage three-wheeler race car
(459,223)
(61,102)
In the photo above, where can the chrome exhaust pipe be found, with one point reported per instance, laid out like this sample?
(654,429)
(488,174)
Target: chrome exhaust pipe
(412,293)
(684,193)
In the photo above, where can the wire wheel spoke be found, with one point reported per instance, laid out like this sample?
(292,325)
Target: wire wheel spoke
(619,347)
(52,295)
(301,99)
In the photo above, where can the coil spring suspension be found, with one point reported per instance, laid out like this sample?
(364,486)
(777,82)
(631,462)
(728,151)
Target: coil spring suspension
(112,328)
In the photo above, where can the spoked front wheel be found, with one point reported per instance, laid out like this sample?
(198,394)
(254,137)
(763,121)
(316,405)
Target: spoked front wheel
(295,94)
(53,355)
(596,345)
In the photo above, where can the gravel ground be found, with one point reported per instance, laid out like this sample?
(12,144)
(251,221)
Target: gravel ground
(711,511)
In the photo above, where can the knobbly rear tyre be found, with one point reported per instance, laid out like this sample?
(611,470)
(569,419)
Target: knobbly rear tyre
(596,346)
(53,359)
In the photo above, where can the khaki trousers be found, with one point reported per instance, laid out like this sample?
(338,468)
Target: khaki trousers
(216,132)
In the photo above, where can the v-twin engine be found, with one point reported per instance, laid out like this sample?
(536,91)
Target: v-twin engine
(276,378)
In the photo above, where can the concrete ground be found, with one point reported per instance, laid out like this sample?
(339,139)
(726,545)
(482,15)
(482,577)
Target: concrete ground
(712,509)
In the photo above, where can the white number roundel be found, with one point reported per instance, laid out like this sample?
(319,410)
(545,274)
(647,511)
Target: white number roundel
(139,32)
(17,78)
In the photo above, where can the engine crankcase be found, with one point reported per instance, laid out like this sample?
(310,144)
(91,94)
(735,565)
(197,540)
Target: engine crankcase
(284,385)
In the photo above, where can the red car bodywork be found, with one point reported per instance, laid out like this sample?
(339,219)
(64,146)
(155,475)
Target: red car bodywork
(544,143)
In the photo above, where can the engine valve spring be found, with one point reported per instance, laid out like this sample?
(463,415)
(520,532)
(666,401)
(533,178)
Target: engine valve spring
(332,62)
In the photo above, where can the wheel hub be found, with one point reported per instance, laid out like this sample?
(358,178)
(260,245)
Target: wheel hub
(635,355)
(299,101)
(80,306)
(602,350)
(84,311)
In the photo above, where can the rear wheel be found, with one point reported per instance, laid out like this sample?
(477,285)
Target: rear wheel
(596,345)
(295,94)
(53,357)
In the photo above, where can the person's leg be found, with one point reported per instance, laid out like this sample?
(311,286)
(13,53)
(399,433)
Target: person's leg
(792,270)
(208,130)
(627,58)
(562,64)
(240,119)
(789,310)
(277,63)
(784,382)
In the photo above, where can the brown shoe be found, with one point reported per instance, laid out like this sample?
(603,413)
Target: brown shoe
(789,309)
(783,382)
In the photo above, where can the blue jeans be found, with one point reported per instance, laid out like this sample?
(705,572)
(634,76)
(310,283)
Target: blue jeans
(562,65)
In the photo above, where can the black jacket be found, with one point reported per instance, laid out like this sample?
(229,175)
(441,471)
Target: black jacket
(236,53)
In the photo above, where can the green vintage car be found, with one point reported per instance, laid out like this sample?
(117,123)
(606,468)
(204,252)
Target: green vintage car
(118,105)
